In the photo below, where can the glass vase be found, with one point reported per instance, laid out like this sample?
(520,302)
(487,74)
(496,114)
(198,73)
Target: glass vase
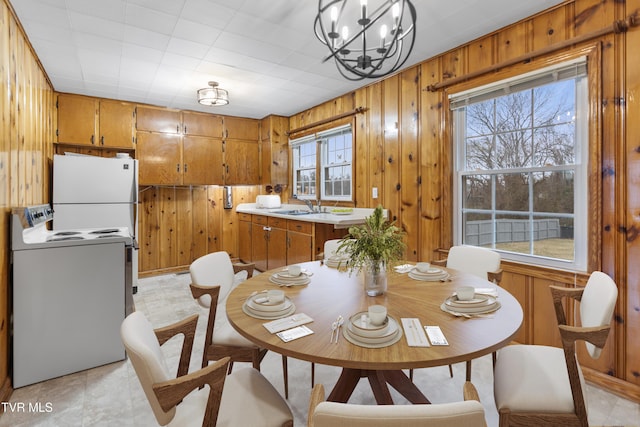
(375,278)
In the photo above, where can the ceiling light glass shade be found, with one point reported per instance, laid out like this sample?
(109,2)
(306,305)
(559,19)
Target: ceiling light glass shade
(213,95)
(366,38)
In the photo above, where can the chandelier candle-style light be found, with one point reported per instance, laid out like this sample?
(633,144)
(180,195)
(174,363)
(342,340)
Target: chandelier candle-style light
(213,95)
(365,41)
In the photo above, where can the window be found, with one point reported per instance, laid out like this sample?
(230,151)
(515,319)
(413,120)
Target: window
(521,166)
(334,149)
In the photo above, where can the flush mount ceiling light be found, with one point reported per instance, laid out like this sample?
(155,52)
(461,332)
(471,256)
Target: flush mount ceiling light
(213,95)
(382,38)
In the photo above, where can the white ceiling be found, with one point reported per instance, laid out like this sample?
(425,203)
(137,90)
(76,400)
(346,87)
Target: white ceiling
(264,52)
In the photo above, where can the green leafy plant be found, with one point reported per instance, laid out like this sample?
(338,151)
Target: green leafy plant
(372,242)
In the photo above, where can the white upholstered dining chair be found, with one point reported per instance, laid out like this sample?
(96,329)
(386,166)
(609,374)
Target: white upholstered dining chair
(207,397)
(467,413)
(481,262)
(213,277)
(536,385)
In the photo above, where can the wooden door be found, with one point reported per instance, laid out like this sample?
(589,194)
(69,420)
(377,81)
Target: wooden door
(245,240)
(155,119)
(202,160)
(299,247)
(77,119)
(241,128)
(259,246)
(242,162)
(160,157)
(277,251)
(202,124)
(116,124)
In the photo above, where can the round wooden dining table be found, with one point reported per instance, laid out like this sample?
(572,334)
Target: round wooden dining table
(333,292)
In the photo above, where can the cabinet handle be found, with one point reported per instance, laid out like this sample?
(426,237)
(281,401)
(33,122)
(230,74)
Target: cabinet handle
(93,139)
(102,140)
(177,128)
(266,228)
(185,168)
(178,167)
(185,129)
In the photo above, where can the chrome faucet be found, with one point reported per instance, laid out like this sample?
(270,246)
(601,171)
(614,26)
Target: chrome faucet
(309,204)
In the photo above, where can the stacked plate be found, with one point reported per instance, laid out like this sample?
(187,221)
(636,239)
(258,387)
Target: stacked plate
(361,332)
(283,278)
(336,261)
(431,275)
(480,304)
(260,307)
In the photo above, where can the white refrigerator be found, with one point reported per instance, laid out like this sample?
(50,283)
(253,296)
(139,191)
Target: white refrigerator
(96,192)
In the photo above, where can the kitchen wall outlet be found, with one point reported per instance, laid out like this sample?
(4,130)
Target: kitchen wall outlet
(374,192)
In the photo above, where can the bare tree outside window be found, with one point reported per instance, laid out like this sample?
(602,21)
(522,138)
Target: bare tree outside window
(519,157)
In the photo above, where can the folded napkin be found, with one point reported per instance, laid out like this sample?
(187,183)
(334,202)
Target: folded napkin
(404,268)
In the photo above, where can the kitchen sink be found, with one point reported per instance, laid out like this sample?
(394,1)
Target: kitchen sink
(293,212)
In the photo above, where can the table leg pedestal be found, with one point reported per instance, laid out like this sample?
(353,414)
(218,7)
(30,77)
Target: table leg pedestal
(379,381)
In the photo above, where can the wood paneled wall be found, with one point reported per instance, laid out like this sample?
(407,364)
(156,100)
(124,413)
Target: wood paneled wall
(179,224)
(26,135)
(404,148)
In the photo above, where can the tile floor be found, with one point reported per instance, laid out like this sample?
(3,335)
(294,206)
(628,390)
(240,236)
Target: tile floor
(111,395)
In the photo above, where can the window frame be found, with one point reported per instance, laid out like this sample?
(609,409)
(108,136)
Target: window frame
(321,138)
(580,167)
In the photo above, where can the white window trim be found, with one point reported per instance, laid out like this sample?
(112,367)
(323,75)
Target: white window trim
(581,172)
(321,138)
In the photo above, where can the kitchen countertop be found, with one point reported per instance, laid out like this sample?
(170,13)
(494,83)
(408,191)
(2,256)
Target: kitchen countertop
(337,220)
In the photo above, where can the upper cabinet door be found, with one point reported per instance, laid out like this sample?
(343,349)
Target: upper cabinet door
(116,124)
(202,159)
(242,162)
(77,119)
(160,157)
(158,120)
(239,128)
(202,124)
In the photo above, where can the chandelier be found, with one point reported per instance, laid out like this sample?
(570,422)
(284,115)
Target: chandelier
(381,41)
(213,95)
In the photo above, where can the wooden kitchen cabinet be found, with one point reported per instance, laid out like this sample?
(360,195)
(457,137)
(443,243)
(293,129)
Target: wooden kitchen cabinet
(201,160)
(241,128)
(276,242)
(246,237)
(274,150)
(117,124)
(299,241)
(155,119)
(202,124)
(160,158)
(242,162)
(95,122)
(173,159)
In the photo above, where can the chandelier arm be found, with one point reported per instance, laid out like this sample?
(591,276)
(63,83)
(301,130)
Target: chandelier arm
(390,55)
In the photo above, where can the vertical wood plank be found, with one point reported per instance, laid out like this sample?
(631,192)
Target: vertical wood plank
(200,227)
(434,152)
(409,159)
(184,226)
(391,160)
(167,220)
(149,229)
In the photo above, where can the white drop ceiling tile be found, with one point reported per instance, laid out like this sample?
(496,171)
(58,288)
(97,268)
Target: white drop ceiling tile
(38,32)
(142,37)
(187,48)
(149,19)
(252,48)
(142,53)
(172,7)
(42,13)
(95,63)
(111,10)
(195,31)
(93,25)
(185,63)
(100,44)
(207,12)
